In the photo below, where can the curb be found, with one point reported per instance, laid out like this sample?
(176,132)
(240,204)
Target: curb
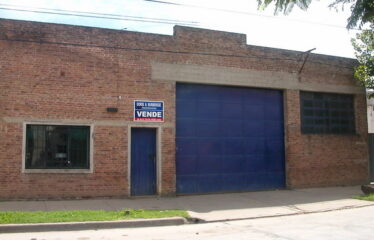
(71,226)
(156,222)
(198,220)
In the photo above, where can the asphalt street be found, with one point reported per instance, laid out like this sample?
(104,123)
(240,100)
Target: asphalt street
(346,224)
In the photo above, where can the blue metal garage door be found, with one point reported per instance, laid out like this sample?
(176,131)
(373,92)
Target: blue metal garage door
(228,139)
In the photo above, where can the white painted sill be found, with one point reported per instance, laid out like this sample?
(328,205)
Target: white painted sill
(62,171)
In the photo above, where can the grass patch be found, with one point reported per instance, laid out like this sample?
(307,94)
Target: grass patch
(85,215)
(369,197)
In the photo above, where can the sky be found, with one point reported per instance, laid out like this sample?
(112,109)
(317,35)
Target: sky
(319,27)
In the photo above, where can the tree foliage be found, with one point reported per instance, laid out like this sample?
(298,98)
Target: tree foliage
(364,50)
(362,11)
(284,6)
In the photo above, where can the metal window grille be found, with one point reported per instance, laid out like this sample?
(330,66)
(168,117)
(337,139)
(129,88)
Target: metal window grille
(57,147)
(327,113)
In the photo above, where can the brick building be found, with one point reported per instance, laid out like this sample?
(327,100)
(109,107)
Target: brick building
(235,117)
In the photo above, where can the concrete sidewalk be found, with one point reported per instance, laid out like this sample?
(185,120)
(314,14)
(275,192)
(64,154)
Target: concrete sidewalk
(217,207)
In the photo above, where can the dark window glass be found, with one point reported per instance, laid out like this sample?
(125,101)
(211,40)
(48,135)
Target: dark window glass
(327,113)
(57,147)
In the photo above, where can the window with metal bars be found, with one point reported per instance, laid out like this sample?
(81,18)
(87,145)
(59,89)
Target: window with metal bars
(327,113)
(57,147)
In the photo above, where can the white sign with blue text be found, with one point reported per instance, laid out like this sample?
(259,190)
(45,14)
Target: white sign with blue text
(148,111)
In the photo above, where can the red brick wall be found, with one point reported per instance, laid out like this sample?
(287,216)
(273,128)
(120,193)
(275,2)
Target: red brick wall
(68,73)
(325,160)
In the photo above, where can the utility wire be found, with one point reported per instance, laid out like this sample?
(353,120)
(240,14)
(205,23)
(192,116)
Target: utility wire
(97,15)
(161,20)
(244,13)
(208,8)
(169,51)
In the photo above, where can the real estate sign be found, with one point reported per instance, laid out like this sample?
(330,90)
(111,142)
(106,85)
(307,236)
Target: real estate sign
(152,111)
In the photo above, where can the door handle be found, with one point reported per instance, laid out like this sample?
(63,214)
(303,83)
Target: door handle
(152,157)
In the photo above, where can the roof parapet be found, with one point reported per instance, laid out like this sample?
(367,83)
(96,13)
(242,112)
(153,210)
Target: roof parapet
(212,37)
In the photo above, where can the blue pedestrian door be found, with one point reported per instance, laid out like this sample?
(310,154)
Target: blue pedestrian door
(228,139)
(143,161)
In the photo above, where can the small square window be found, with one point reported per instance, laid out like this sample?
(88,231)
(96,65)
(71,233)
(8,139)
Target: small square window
(327,113)
(57,147)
